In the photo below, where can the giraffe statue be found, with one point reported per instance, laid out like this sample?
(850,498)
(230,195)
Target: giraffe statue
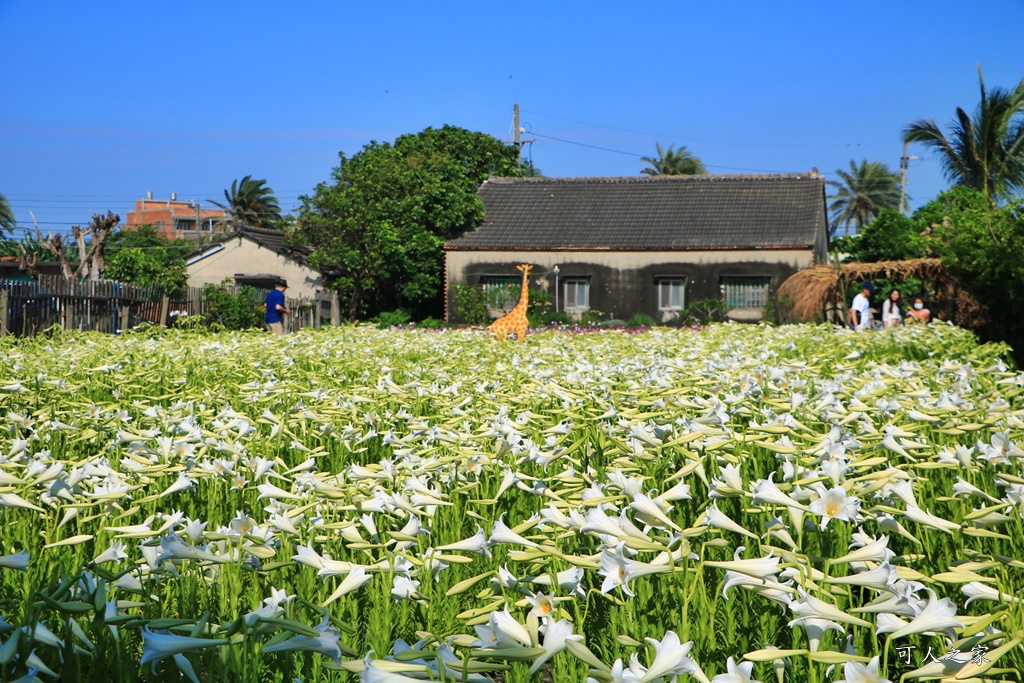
(515,321)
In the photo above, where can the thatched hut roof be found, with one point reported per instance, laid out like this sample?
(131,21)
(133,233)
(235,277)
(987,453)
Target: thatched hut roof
(809,292)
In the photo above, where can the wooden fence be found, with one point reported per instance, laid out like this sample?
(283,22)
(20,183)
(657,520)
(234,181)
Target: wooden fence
(28,308)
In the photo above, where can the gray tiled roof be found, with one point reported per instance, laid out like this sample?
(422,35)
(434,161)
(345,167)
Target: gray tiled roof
(661,212)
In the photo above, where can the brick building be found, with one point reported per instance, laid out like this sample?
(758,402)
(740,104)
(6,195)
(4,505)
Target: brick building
(175,219)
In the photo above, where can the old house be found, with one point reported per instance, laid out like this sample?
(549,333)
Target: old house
(257,257)
(623,246)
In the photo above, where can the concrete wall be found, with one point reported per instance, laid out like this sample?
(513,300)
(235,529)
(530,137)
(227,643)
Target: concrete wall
(243,256)
(623,284)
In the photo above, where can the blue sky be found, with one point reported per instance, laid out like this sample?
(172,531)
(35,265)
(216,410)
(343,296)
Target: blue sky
(105,101)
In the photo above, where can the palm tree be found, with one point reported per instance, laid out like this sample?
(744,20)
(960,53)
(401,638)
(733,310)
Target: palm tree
(864,192)
(251,203)
(7,221)
(673,162)
(985,152)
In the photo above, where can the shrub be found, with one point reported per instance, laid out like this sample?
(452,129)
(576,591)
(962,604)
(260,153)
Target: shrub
(394,318)
(470,304)
(558,318)
(703,312)
(591,317)
(431,324)
(228,308)
(641,320)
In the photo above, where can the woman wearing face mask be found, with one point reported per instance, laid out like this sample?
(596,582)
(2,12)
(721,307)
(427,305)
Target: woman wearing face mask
(891,310)
(919,312)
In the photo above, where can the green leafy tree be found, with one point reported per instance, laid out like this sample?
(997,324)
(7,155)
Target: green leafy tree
(147,237)
(148,268)
(250,203)
(984,152)
(7,221)
(141,256)
(979,243)
(890,237)
(865,191)
(673,161)
(379,227)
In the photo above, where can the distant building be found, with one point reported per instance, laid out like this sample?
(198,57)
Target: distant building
(257,257)
(624,246)
(174,219)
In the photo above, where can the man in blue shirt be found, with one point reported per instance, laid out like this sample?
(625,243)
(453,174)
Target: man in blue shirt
(275,307)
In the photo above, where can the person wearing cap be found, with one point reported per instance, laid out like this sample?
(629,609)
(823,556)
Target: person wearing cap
(275,307)
(860,309)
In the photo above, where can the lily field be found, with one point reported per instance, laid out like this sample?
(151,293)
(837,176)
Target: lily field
(734,504)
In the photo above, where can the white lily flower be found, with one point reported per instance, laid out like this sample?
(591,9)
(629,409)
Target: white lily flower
(736,673)
(556,633)
(759,568)
(881,578)
(916,514)
(976,590)
(671,658)
(618,570)
(501,533)
(855,672)
(714,517)
(157,645)
(18,561)
(810,607)
(114,553)
(404,588)
(477,543)
(938,615)
(835,504)
(766,492)
(326,642)
(510,628)
(875,550)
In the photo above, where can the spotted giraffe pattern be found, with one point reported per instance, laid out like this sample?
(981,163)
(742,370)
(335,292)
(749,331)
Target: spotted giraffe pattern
(515,322)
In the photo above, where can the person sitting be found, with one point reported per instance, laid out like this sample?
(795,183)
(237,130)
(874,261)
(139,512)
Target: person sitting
(919,313)
(891,310)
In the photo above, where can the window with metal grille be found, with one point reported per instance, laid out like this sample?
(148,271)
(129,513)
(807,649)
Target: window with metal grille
(577,294)
(502,292)
(671,294)
(745,293)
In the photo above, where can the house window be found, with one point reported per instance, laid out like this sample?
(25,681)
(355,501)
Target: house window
(502,292)
(745,293)
(184,224)
(671,294)
(577,294)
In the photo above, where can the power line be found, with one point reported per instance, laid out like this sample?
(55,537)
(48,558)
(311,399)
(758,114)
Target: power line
(712,142)
(640,156)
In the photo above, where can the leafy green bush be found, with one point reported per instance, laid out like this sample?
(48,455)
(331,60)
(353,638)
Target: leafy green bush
(431,324)
(703,312)
(229,309)
(394,318)
(591,317)
(558,318)
(641,320)
(470,304)
(152,267)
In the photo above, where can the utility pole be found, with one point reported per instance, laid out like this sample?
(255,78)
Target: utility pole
(515,126)
(903,176)
(517,131)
